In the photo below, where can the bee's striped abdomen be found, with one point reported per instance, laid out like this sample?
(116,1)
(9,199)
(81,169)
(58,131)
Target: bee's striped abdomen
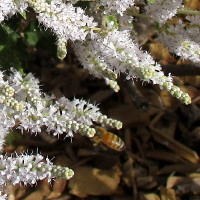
(113,141)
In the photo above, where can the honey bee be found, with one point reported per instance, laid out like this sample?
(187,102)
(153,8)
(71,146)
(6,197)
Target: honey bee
(109,139)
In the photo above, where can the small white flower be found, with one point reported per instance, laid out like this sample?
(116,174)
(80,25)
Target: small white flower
(63,19)
(181,40)
(118,6)
(162,10)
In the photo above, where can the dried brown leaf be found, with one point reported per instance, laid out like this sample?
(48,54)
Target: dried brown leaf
(195,134)
(163,155)
(174,180)
(168,100)
(58,188)
(44,187)
(185,184)
(193,4)
(129,173)
(35,195)
(168,127)
(150,196)
(167,194)
(20,193)
(93,181)
(180,149)
(179,168)
(160,53)
(146,182)
(129,115)
(101,95)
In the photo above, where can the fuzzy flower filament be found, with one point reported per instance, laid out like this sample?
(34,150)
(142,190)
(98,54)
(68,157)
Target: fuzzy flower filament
(118,6)
(10,7)
(182,40)
(87,113)
(63,19)
(89,58)
(161,10)
(28,169)
(40,110)
(120,54)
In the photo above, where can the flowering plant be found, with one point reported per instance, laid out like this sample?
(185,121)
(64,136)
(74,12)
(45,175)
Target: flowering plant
(102,37)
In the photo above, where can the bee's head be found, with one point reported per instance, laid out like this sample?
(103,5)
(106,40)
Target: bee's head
(99,131)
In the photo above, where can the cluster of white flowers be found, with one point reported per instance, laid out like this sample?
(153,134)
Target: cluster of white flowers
(118,6)
(31,109)
(195,20)
(163,10)
(117,52)
(28,169)
(105,51)
(97,66)
(24,106)
(182,40)
(9,7)
(63,19)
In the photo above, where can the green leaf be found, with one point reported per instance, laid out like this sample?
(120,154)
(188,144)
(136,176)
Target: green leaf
(151,1)
(32,38)
(23,14)
(113,18)
(33,33)
(13,35)
(1,47)
(12,48)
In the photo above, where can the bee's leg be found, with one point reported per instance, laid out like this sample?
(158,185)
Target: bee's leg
(95,141)
(104,147)
(95,144)
(99,148)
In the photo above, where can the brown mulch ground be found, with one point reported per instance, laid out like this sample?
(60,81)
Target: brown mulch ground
(162,138)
